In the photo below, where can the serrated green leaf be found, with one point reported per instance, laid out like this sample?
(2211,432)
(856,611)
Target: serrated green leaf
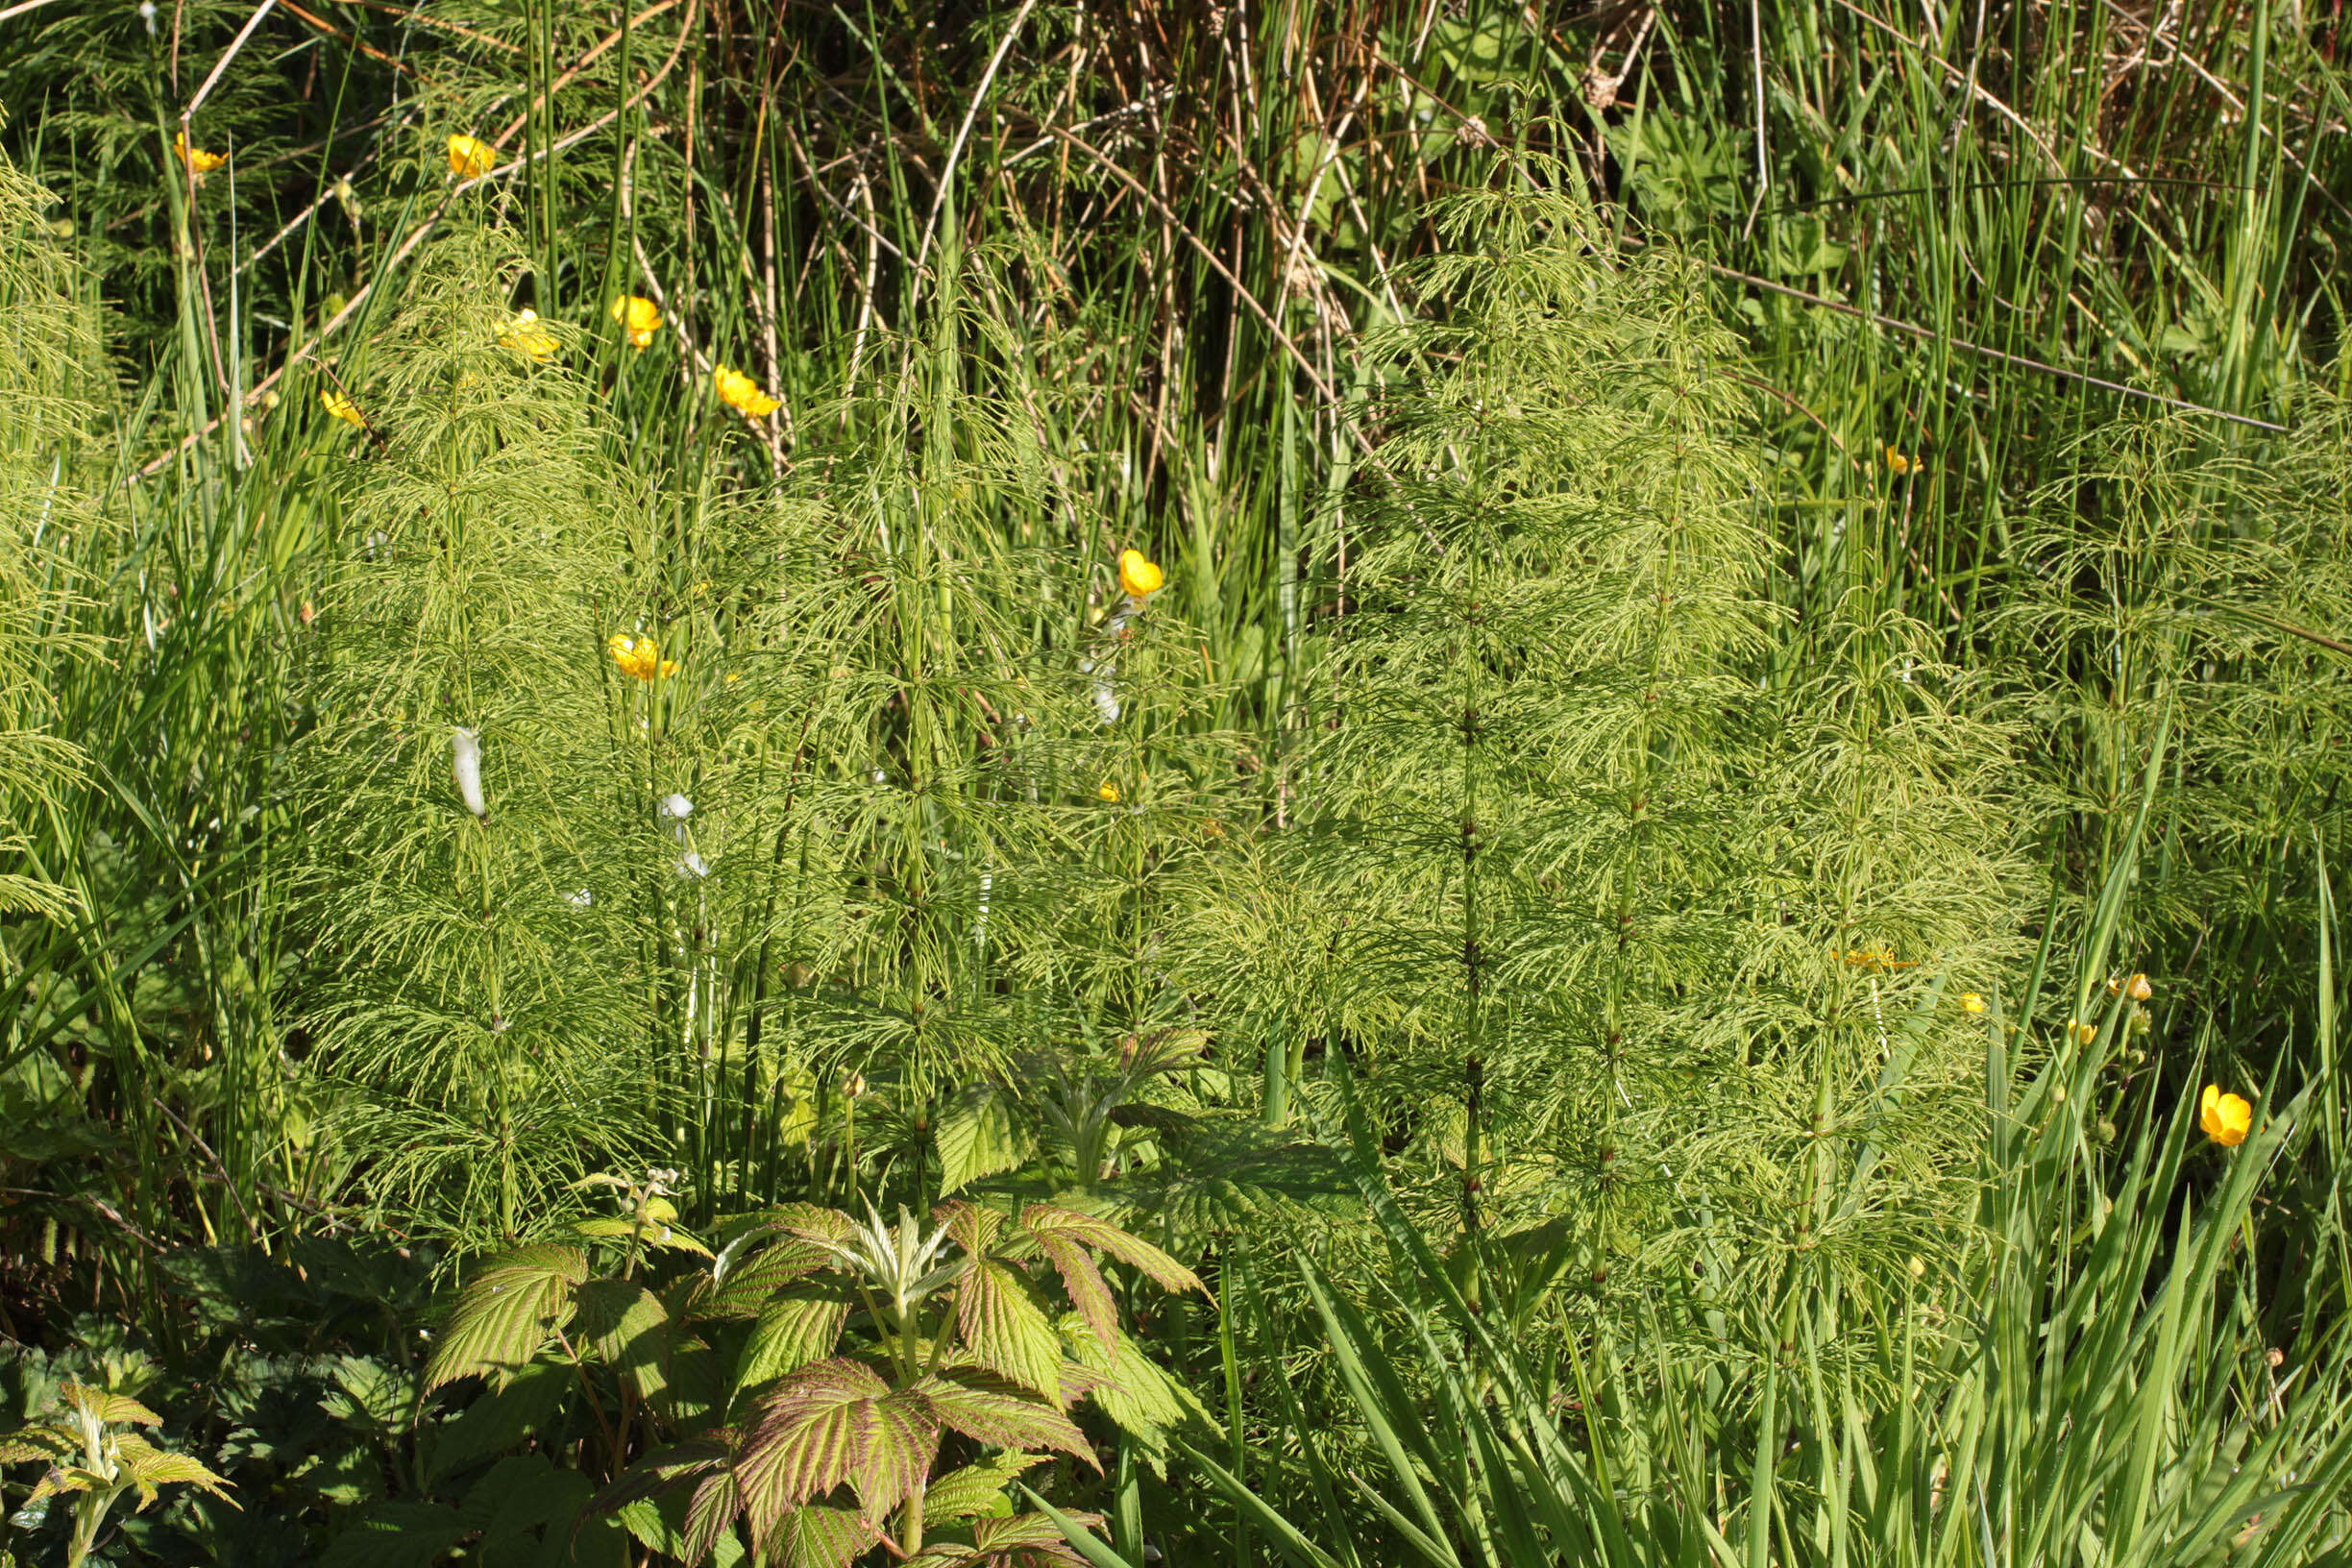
(976,1488)
(710,1519)
(498,1420)
(397,1535)
(148,1467)
(1134,1393)
(627,1327)
(1089,1291)
(108,1406)
(34,1443)
(979,1137)
(820,1538)
(834,1422)
(506,1310)
(1005,1330)
(1000,1413)
(1043,1219)
(975,1229)
(660,1526)
(793,1329)
(1025,1540)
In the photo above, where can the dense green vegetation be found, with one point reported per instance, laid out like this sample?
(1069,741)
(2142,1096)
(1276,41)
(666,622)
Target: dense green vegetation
(1088,785)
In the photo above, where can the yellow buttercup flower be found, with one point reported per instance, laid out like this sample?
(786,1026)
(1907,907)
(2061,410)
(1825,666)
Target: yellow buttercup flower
(342,407)
(470,159)
(1898,464)
(743,394)
(638,317)
(1139,575)
(196,158)
(527,336)
(1970,1002)
(639,656)
(2225,1117)
(1108,792)
(2138,989)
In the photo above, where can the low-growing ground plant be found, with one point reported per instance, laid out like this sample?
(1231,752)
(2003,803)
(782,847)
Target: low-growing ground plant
(824,1383)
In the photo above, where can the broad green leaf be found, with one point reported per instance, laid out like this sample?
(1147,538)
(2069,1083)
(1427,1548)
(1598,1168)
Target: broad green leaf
(1043,1219)
(504,1314)
(792,1330)
(661,1525)
(979,1138)
(149,1467)
(1005,1330)
(1089,1291)
(975,1229)
(1022,1540)
(34,1443)
(497,1420)
(397,1535)
(1134,1393)
(107,1407)
(521,1497)
(820,1537)
(627,1327)
(833,1422)
(1001,1414)
(976,1488)
(710,1518)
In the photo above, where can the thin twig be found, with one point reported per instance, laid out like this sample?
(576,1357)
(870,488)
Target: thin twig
(955,153)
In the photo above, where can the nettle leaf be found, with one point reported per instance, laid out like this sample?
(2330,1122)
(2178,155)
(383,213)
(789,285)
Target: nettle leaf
(833,1422)
(1005,1330)
(506,1312)
(628,1328)
(778,1248)
(977,1489)
(107,1407)
(397,1535)
(1089,1291)
(792,1330)
(975,1229)
(1024,1540)
(710,1518)
(1043,1219)
(979,1137)
(821,1537)
(148,1467)
(1001,1414)
(496,1421)
(661,1527)
(1134,1393)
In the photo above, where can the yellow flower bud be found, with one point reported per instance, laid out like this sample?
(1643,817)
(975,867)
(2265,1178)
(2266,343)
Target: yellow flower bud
(1139,575)
(2225,1117)
(196,158)
(638,318)
(743,394)
(525,336)
(470,159)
